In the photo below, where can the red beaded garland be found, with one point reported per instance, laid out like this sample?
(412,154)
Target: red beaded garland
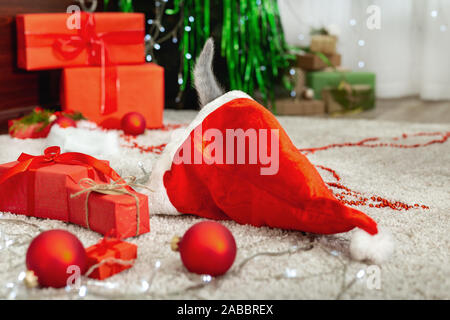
(158,149)
(362,143)
(377,202)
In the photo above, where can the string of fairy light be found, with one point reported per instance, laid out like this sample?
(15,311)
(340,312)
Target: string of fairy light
(360,42)
(142,288)
(437,14)
(434,13)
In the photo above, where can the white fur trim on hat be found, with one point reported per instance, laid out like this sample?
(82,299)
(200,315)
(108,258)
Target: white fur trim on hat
(377,248)
(159,202)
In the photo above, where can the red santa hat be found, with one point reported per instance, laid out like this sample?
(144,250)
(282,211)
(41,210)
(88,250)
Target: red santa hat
(235,161)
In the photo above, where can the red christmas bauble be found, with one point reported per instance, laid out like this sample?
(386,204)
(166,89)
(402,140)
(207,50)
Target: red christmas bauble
(65,122)
(133,123)
(207,247)
(51,253)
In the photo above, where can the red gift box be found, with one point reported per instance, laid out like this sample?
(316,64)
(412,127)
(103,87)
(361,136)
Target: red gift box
(43,186)
(50,41)
(110,249)
(42,192)
(120,215)
(141,90)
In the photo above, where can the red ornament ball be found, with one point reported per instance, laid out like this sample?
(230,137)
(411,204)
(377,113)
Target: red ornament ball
(133,123)
(207,247)
(65,122)
(51,253)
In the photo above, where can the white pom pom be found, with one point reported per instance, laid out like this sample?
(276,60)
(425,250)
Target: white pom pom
(377,248)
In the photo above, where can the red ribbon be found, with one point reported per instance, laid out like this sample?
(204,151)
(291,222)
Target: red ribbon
(108,242)
(53,155)
(69,46)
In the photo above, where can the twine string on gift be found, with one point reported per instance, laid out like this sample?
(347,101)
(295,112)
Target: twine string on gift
(118,187)
(108,260)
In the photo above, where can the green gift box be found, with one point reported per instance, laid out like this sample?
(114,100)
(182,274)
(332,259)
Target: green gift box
(319,80)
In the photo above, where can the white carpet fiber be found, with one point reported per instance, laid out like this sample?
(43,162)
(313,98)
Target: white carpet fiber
(419,268)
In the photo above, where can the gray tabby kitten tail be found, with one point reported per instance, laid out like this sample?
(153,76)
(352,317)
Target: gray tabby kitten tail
(205,83)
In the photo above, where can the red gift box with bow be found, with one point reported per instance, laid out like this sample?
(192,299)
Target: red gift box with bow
(105,40)
(43,186)
(38,185)
(58,40)
(109,257)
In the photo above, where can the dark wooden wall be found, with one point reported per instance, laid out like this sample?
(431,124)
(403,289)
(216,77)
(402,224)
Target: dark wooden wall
(21,90)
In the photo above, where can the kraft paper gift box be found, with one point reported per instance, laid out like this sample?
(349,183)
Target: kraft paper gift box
(323,43)
(311,62)
(140,89)
(53,41)
(110,249)
(355,98)
(289,106)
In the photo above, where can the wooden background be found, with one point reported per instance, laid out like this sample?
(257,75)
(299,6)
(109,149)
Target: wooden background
(22,90)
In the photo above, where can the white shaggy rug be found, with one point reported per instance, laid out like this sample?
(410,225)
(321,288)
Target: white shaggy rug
(299,266)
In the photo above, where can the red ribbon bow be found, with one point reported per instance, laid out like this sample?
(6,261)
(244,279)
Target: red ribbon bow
(51,156)
(107,242)
(87,39)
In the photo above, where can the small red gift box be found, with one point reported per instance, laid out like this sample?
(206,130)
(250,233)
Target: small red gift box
(58,40)
(141,90)
(110,249)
